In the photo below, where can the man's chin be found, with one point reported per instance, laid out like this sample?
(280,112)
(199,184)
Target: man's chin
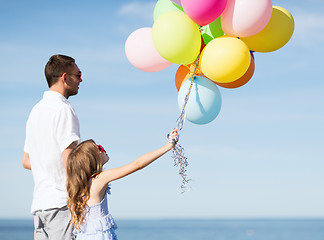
(73,93)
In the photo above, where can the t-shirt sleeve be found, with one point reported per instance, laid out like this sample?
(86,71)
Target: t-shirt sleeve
(67,128)
(26,150)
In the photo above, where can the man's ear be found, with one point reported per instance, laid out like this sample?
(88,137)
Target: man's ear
(63,77)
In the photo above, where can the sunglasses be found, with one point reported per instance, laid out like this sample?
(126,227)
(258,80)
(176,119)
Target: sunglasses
(101,149)
(79,75)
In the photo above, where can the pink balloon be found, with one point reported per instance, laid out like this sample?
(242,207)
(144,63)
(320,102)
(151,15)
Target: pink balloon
(244,18)
(203,12)
(177,2)
(141,53)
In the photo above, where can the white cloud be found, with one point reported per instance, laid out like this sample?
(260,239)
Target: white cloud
(135,15)
(137,10)
(309,27)
(308,21)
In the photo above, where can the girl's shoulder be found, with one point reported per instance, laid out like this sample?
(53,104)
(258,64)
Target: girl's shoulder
(97,190)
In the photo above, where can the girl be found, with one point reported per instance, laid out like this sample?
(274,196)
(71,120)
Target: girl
(87,185)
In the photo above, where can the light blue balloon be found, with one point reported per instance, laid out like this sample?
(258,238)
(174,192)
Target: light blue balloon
(204,102)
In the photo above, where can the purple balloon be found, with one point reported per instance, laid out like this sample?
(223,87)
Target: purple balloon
(177,2)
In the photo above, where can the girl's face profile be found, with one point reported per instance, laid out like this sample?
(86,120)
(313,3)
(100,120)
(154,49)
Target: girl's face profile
(105,158)
(103,155)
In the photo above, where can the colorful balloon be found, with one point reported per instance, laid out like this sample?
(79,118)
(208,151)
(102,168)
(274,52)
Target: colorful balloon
(212,30)
(203,12)
(204,102)
(185,72)
(225,59)
(181,76)
(176,37)
(178,2)
(244,18)
(275,35)
(141,53)
(163,6)
(242,80)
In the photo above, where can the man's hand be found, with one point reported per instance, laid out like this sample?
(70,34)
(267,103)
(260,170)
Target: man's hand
(26,161)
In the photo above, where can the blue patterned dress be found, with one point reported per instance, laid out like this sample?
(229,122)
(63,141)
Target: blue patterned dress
(99,224)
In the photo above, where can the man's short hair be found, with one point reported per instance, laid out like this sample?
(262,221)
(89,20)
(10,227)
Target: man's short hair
(57,65)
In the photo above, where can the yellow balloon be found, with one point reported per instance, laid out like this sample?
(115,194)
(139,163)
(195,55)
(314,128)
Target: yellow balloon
(225,59)
(176,37)
(275,35)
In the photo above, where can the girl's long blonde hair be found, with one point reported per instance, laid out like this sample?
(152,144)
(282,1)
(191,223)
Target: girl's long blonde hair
(83,164)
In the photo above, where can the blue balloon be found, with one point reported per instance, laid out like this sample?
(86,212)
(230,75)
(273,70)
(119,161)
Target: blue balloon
(204,102)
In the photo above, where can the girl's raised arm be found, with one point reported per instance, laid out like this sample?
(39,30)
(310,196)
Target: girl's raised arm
(110,175)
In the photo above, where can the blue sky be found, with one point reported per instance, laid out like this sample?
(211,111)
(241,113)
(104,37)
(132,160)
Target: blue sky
(261,157)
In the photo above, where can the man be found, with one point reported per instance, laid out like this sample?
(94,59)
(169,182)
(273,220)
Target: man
(52,131)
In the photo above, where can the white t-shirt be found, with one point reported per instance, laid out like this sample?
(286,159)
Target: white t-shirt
(51,127)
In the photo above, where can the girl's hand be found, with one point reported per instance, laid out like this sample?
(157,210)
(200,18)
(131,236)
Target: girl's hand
(172,138)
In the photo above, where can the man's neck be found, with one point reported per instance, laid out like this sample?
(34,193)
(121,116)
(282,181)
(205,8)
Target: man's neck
(59,90)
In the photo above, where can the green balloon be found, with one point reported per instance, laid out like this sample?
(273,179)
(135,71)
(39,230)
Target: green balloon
(163,6)
(212,30)
(176,37)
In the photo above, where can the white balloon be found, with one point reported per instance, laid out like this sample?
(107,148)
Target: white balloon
(141,53)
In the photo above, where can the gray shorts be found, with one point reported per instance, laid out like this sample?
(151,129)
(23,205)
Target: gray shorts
(53,224)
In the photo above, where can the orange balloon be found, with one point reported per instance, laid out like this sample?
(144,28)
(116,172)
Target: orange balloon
(185,72)
(242,80)
(181,75)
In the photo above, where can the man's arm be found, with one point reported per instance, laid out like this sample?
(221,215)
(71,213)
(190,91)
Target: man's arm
(65,154)
(67,151)
(26,161)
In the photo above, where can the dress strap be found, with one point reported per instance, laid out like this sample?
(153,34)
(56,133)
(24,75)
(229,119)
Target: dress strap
(109,189)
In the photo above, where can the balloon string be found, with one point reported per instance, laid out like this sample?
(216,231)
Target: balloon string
(180,160)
